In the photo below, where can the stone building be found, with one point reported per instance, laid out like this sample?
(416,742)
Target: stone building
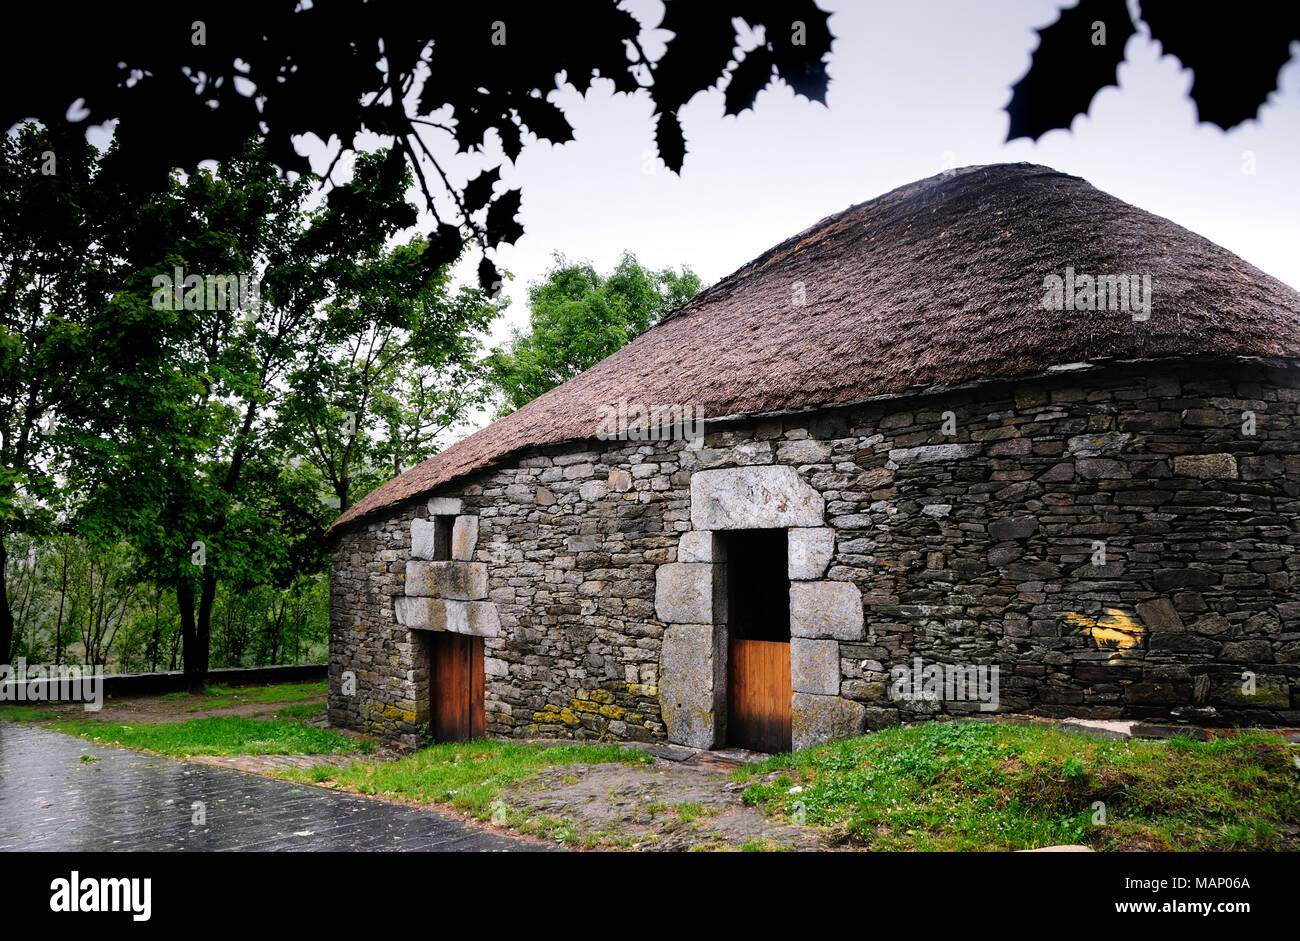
(947,466)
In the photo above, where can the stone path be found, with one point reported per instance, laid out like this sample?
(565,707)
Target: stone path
(51,798)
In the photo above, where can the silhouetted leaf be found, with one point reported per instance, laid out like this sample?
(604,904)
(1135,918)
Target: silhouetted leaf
(670,141)
(1234,57)
(748,79)
(502,226)
(472,123)
(702,47)
(800,40)
(444,246)
(489,278)
(511,143)
(544,119)
(1067,69)
(478,191)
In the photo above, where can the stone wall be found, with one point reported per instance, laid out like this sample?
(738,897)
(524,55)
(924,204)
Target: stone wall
(1115,542)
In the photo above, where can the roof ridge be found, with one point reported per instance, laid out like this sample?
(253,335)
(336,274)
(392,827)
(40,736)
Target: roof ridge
(890,197)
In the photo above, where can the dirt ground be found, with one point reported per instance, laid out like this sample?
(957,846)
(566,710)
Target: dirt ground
(667,806)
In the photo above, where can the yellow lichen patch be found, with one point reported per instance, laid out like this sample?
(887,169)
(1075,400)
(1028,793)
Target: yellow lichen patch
(601,702)
(555,714)
(1114,630)
(643,689)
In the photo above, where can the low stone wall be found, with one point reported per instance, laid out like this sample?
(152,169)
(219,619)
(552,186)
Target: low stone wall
(154,684)
(1122,542)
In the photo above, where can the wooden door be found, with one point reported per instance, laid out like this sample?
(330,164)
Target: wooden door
(758,694)
(456,686)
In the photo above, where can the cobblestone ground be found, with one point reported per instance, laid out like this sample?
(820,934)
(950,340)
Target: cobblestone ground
(63,793)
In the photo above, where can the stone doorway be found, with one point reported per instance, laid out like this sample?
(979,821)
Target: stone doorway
(691,602)
(757,625)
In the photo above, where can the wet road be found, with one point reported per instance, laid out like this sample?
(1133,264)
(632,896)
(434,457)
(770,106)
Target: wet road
(52,799)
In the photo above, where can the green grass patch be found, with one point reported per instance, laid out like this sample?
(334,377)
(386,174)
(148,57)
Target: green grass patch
(217,697)
(995,786)
(689,811)
(218,735)
(304,711)
(18,712)
(469,776)
(761,844)
(309,696)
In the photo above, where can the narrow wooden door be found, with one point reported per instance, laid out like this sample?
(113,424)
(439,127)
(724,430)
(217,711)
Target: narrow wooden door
(456,687)
(758,694)
(758,640)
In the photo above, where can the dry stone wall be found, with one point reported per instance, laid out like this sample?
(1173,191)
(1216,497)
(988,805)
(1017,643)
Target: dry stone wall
(1117,543)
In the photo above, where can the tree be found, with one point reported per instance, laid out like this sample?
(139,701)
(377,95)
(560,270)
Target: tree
(577,317)
(59,222)
(1235,57)
(426,402)
(203,484)
(393,367)
(209,76)
(135,404)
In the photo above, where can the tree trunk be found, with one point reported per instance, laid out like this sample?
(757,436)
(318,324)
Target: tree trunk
(176,645)
(63,597)
(189,638)
(196,629)
(155,642)
(6,615)
(203,626)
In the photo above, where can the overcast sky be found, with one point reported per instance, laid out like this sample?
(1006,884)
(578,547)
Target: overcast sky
(915,87)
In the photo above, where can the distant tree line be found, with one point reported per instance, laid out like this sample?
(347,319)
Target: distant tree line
(77,603)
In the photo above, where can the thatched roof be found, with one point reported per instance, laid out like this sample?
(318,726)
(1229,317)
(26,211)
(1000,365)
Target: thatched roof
(937,283)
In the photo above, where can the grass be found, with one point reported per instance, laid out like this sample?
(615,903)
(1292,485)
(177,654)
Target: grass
(278,731)
(470,776)
(309,696)
(218,735)
(305,711)
(16,712)
(689,811)
(995,786)
(221,696)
